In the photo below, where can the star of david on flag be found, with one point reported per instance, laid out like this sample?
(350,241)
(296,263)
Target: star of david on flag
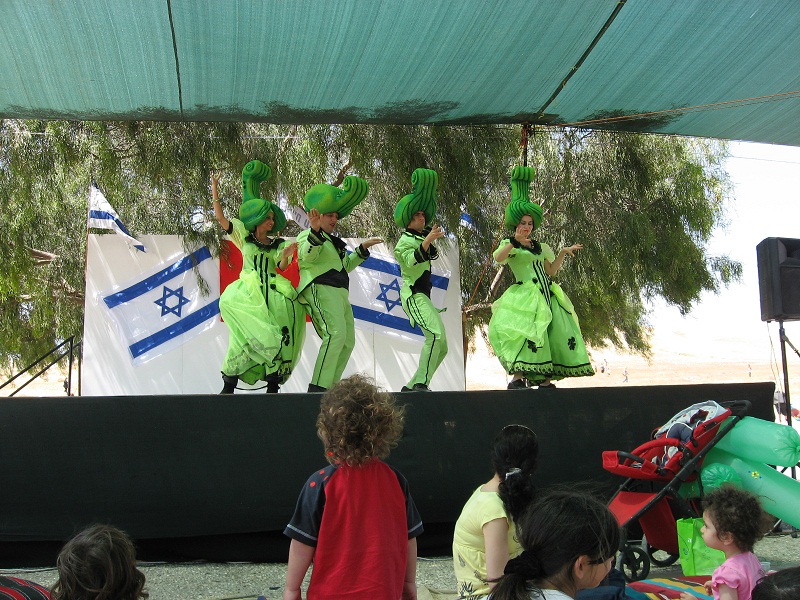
(163,308)
(375,296)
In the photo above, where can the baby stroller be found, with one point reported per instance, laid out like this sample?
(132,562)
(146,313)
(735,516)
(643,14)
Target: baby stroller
(648,502)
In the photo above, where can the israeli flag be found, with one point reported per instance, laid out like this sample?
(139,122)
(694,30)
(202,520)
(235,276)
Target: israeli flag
(164,308)
(102,216)
(375,296)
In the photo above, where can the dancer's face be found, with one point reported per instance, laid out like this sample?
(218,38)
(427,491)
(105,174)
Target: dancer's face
(266,225)
(525,226)
(417,222)
(328,221)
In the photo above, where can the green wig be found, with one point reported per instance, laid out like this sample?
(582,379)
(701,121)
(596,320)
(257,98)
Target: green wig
(328,198)
(520,204)
(254,209)
(422,197)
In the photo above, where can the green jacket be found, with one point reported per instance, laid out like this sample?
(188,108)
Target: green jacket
(413,259)
(320,252)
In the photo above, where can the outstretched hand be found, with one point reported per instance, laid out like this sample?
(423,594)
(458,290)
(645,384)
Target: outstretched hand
(366,244)
(434,234)
(571,250)
(289,250)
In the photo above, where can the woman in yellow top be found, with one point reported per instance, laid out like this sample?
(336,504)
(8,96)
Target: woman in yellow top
(484,538)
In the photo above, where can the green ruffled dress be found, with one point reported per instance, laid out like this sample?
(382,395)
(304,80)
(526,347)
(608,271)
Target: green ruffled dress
(266,325)
(534,330)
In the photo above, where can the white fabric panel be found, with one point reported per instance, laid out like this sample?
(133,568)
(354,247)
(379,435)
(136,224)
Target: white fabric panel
(193,368)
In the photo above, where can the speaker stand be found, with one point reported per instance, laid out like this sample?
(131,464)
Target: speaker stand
(787,398)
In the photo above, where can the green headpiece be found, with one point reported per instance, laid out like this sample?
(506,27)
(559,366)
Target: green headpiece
(520,204)
(328,198)
(254,209)
(422,197)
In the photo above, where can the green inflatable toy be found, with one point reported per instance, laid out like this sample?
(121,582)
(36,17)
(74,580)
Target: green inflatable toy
(763,442)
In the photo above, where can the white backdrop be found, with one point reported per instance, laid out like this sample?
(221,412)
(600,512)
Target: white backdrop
(193,368)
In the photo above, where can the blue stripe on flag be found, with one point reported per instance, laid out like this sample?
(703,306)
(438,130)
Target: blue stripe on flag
(154,281)
(391,268)
(107,216)
(179,328)
(385,319)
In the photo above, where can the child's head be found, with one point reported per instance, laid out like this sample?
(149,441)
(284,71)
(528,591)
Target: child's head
(782,585)
(732,514)
(358,421)
(569,542)
(515,457)
(99,563)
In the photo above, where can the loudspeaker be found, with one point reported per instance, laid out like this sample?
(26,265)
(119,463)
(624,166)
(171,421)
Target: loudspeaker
(779,279)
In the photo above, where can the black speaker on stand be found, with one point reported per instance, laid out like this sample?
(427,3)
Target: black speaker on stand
(779,287)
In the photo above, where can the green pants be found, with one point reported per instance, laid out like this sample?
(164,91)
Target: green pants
(420,310)
(332,317)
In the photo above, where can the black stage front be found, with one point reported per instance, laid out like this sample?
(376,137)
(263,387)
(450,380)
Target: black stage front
(216,477)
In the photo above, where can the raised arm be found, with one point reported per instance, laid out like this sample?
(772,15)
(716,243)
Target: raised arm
(223,222)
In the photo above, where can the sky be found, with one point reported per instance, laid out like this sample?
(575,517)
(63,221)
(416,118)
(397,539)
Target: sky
(765,203)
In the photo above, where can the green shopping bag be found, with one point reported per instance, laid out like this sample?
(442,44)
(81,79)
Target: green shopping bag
(696,557)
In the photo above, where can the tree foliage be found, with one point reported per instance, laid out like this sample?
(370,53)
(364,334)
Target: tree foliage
(644,206)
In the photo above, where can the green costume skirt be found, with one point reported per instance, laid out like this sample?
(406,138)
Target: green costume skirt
(518,331)
(264,339)
(568,351)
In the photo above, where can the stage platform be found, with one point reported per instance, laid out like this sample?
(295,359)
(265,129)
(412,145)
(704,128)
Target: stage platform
(216,477)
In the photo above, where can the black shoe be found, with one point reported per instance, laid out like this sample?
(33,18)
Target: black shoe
(517,384)
(421,387)
(229,383)
(406,389)
(316,389)
(273,387)
(548,385)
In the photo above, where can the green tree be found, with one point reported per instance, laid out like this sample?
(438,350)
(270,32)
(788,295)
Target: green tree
(643,205)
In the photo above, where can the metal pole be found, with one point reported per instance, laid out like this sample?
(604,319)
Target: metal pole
(782,335)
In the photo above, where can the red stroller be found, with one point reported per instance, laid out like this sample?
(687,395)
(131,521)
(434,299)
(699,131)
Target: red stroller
(648,501)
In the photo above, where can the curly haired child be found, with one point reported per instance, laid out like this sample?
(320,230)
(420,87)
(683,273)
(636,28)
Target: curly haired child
(732,522)
(99,563)
(355,518)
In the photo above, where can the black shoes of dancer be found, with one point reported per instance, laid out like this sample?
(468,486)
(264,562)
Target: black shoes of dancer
(316,389)
(522,384)
(229,383)
(417,387)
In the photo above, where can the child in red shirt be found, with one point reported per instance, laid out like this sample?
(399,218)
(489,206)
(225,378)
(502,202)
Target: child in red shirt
(355,518)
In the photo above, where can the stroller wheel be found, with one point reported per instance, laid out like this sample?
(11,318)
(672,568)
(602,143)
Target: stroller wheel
(634,563)
(661,558)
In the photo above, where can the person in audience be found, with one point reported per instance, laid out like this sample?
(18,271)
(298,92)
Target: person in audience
(14,588)
(780,585)
(99,563)
(569,542)
(355,519)
(732,522)
(484,537)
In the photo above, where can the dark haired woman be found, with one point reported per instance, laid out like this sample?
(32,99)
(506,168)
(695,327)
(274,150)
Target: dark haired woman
(484,537)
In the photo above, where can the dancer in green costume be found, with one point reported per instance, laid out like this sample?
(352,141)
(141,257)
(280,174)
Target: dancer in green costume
(534,330)
(324,281)
(266,325)
(414,252)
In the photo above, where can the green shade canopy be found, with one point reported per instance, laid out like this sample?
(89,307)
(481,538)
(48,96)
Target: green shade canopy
(725,69)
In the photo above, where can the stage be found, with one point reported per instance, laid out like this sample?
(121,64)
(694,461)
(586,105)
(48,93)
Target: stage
(216,477)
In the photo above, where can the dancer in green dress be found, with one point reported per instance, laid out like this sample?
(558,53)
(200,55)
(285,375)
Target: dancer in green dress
(534,330)
(414,252)
(266,325)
